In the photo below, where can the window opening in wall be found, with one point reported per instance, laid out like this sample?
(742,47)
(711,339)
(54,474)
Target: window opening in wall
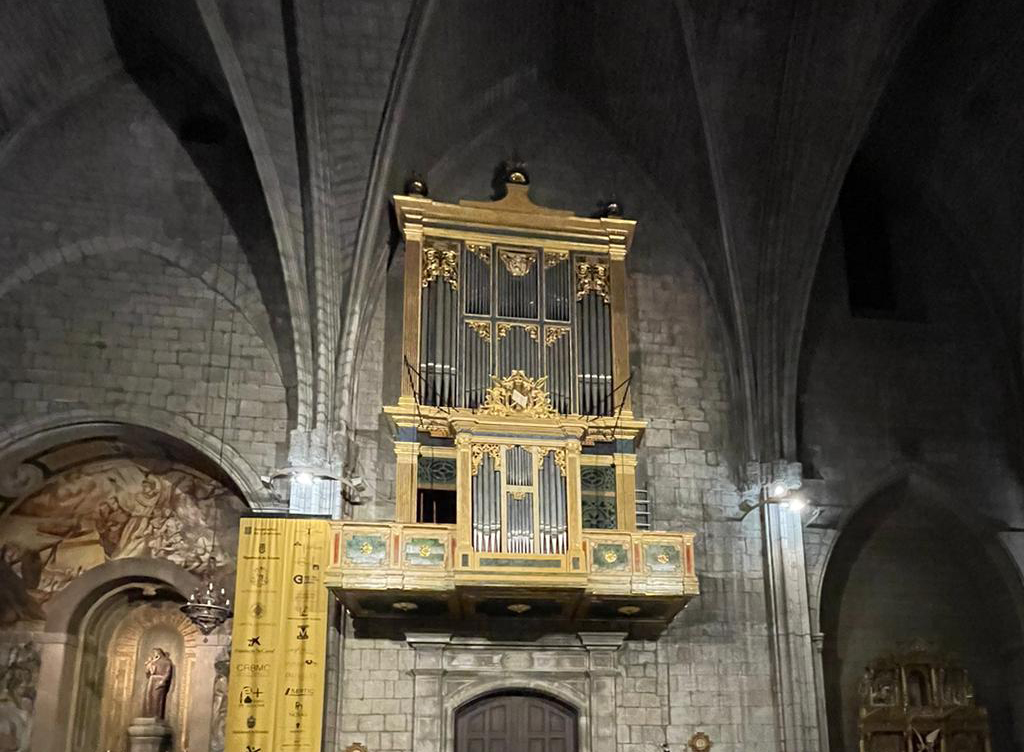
(869,265)
(435,493)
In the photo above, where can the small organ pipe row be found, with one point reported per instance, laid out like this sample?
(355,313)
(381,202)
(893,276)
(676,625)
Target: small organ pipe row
(535,506)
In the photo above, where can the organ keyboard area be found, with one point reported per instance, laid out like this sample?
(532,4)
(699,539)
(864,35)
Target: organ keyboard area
(515,440)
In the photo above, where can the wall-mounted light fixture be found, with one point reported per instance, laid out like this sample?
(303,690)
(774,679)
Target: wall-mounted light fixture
(776,482)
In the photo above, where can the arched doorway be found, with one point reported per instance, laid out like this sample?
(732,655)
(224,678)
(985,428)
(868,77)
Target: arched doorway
(514,721)
(907,568)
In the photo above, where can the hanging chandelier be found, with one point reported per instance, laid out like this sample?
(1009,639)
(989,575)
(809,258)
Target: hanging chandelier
(208,607)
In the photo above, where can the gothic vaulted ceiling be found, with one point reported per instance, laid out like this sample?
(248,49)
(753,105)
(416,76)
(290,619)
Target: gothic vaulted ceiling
(737,120)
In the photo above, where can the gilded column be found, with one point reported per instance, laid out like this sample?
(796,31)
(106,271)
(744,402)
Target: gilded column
(464,512)
(625,491)
(411,310)
(620,328)
(575,512)
(407,454)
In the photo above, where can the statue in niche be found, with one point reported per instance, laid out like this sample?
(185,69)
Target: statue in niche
(159,672)
(878,687)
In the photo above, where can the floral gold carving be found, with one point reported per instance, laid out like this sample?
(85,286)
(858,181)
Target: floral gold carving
(441,260)
(477,453)
(559,459)
(481,251)
(517,262)
(611,557)
(553,258)
(482,328)
(592,276)
(532,329)
(518,394)
(554,333)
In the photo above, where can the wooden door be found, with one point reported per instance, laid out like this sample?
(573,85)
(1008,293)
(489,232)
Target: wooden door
(515,723)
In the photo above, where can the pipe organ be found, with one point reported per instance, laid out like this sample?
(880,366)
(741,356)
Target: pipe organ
(515,367)
(515,440)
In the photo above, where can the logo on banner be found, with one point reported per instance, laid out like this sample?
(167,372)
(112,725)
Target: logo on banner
(250,722)
(303,632)
(254,642)
(259,576)
(252,669)
(299,691)
(250,696)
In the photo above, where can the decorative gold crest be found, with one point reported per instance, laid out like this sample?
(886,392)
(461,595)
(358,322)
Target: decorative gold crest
(517,262)
(592,277)
(611,556)
(559,459)
(481,250)
(518,394)
(441,259)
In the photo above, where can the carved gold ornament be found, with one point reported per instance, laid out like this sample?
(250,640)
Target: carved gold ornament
(553,258)
(663,558)
(482,328)
(366,549)
(554,333)
(481,250)
(518,394)
(424,551)
(700,742)
(517,262)
(592,277)
(519,608)
(559,459)
(611,557)
(356,747)
(477,453)
(441,259)
(629,610)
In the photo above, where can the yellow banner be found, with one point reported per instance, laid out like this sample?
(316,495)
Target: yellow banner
(279,638)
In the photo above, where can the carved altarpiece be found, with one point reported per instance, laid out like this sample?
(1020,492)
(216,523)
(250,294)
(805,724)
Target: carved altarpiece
(920,700)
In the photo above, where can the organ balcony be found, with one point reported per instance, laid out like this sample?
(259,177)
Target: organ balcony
(515,441)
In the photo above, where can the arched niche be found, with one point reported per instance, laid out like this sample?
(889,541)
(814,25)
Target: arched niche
(910,565)
(115,638)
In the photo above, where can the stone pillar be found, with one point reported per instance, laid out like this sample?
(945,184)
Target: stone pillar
(428,670)
(603,671)
(818,645)
(315,448)
(57,654)
(149,735)
(790,629)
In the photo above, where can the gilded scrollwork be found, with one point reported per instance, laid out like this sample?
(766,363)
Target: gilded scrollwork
(481,250)
(592,276)
(482,328)
(517,263)
(440,260)
(479,451)
(553,258)
(518,394)
(553,333)
(559,459)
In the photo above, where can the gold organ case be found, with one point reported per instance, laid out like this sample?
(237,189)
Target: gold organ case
(515,441)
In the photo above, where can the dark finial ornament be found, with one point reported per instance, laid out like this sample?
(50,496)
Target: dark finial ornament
(612,209)
(416,185)
(515,171)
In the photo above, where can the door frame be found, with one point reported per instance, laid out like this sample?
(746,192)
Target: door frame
(516,692)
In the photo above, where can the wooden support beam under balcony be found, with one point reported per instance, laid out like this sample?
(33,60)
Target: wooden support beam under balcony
(393,576)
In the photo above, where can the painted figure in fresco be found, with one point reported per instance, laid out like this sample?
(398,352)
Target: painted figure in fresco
(159,672)
(19,673)
(108,510)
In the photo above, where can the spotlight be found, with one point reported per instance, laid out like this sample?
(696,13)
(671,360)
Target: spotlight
(796,504)
(778,491)
(304,478)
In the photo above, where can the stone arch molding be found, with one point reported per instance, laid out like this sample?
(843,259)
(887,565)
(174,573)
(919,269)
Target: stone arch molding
(19,439)
(220,280)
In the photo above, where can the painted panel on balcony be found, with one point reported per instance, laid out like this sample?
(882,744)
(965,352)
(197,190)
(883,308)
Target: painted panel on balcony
(661,557)
(365,550)
(609,557)
(424,552)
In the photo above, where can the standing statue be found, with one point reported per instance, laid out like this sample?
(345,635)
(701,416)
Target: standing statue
(159,671)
